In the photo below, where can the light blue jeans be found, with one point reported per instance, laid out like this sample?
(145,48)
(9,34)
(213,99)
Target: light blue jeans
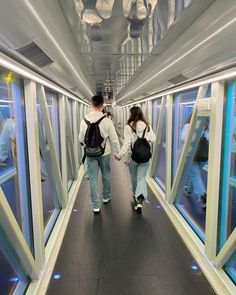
(138,174)
(93,164)
(195,179)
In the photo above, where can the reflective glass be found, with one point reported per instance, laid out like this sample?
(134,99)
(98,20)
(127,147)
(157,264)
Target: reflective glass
(230,267)
(49,190)
(228,175)
(14,174)
(9,279)
(69,148)
(160,170)
(192,199)
(182,110)
(156,104)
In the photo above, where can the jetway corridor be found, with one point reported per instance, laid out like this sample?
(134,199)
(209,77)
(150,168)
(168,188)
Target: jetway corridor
(174,61)
(123,252)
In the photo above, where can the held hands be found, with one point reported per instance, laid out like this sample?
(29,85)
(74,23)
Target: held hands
(118,158)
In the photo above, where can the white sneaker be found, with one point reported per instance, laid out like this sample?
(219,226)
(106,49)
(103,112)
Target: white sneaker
(96,210)
(105,201)
(141,10)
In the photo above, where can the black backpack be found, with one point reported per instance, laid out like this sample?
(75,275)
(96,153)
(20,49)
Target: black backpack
(201,154)
(93,139)
(141,150)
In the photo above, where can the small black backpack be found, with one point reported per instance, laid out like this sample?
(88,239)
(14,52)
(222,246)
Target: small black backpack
(93,139)
(141,150)
(201,154)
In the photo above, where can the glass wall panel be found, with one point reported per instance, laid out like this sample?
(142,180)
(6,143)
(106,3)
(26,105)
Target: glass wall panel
(182,110)
(156,104)
(14,174)
(191,200)
(230,267)
(160,170)
(228,175)
(69,148)
(9,278)
(49,189)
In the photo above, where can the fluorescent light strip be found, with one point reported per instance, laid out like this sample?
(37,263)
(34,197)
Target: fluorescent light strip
(181,57)
(186,87)
(56,44)
(26,73)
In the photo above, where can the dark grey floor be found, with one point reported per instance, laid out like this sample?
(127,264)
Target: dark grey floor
(120,252)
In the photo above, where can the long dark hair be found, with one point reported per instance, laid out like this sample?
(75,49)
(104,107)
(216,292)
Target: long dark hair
(136,115)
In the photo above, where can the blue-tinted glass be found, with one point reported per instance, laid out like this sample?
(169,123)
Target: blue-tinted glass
(14,175)
(156,104)
(189,202)
(227,220)
(160,170)
(230,267)
(49,190)
(8,278)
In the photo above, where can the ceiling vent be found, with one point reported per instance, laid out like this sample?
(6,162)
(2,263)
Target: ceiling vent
(35,54)
(178,79)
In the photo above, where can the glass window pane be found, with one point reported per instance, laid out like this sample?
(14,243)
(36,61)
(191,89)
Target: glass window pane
(182,110)
(160,170)
(228,176)
(14,174)
(9,278)
(69,148)
(230,267)
(191,200)
(49,190)
(156,104)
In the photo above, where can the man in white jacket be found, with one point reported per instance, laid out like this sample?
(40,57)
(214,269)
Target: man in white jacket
(108,132)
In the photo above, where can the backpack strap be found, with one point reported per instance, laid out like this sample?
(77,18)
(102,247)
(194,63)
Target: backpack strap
(87,122)
(132,129)
(144,131)
(97,122)
(100,120)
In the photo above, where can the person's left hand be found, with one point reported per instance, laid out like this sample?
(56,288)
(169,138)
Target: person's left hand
(117,158)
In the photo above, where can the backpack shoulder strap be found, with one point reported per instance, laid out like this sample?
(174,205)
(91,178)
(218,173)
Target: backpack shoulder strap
(144,131)
(132,129)
(87,122)
(100,120)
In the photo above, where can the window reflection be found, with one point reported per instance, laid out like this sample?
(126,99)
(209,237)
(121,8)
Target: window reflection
(14,178)
(160,170)
(49,190)
(156,104)
(14,175)
(192,200)
(9,278)
(228,176)
(69,149)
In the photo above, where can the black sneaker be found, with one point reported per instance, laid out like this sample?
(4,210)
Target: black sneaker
(203,199)
(138,203)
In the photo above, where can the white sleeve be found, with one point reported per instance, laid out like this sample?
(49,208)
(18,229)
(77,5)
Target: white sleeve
(184,132)
(127,141)
(151,135)
(83,127)
(113,137)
